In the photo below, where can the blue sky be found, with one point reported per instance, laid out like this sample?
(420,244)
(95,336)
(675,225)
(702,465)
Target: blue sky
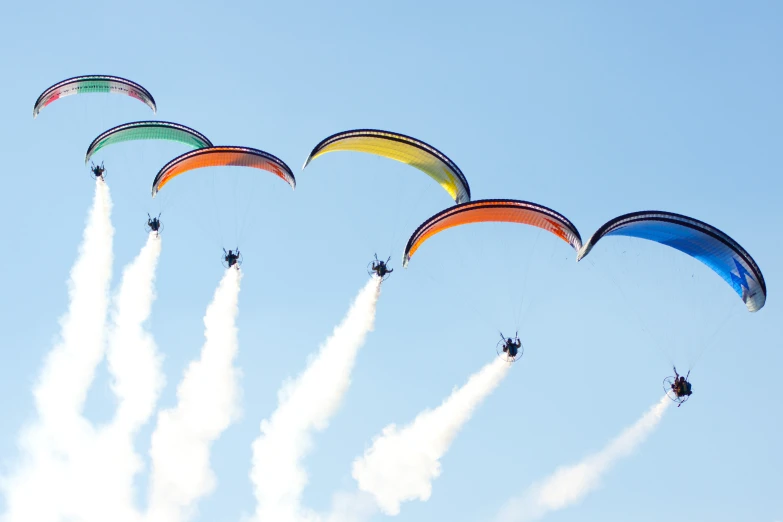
(593,110)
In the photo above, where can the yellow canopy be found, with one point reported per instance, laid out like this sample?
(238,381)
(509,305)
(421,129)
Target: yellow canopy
(402,148)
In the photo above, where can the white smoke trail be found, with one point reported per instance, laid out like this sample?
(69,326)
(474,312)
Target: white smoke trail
(107,465)
(42,488)
(137,380)
(402,463)
(208,401)
(356,506)
(570,484)
(305,405)
(133,359)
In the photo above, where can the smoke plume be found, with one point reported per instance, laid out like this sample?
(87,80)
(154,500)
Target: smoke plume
(570,484)
(305,405)
(402,463)
(208,401)
(54,441)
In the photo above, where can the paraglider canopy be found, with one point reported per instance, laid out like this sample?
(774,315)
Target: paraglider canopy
(494,210)
(148,130)
(697,239)
(402,148)
(222,156)
(222,201)
(91,84)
